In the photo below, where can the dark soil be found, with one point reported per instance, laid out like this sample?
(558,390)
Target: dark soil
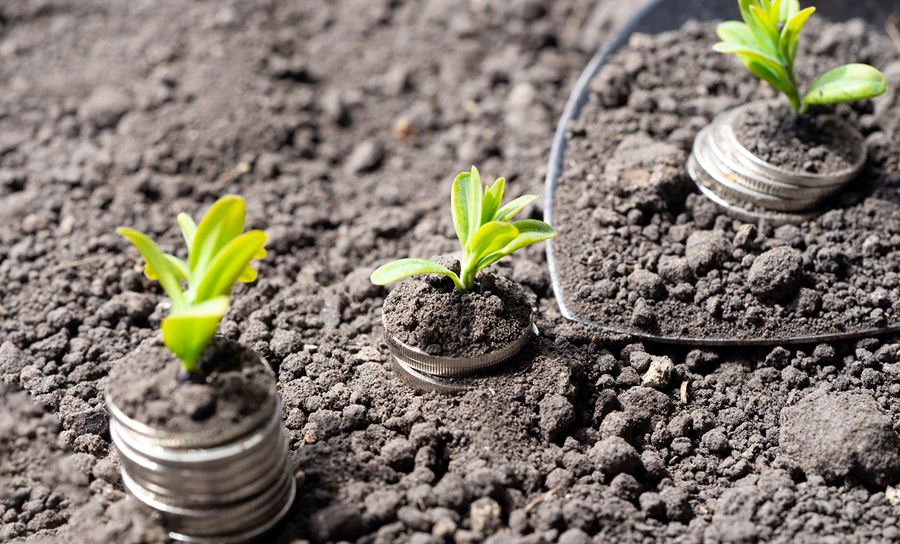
(343,124)
(640,250)
(817,143)
(427,312)
(143,385)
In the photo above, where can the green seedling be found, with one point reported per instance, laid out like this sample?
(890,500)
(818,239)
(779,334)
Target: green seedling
(766,43)
(485,229)
(219,255)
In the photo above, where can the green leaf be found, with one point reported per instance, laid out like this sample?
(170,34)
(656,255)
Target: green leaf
(790,34)
(229,264)
(187,332)
(531,231)
(188,228)
(477,201)
(222,223)
(747,51)
(490,237)
(787,9)
(737,33)
(513,207)
(492,198)
(161,266)
(181,268)
(846,83)
(766,23)
(774,76)
(404,268)
(249,273)
(465,197)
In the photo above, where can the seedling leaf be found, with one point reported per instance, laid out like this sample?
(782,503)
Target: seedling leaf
(846,83)
(159,264)
(220,255)
(530,232)
(492,198)
(222,223)
(404,268)
(464,197)
(493,238)
(187,332)
(229,264)
(513,207)
(766,44)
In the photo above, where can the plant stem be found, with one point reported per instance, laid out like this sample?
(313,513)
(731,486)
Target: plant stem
(794,101)
(467,278)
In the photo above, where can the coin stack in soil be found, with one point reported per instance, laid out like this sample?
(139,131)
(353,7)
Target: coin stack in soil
(751,188)
(227,487)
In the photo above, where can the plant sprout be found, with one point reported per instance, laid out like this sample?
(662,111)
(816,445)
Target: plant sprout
(485,230)
(219,255)
(766,43)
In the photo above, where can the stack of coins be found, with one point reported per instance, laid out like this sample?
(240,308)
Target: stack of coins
(449,374)
(228,486)
(750,188)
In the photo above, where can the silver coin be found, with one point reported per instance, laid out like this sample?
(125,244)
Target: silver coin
(733,191)
(704,182)
(769,171)
(729,159)
(455,367)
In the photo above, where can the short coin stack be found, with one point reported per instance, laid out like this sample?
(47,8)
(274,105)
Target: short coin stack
(449,374)
(750,188)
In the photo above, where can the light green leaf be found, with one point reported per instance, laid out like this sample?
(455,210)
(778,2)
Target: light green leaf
(222,223)
(404,268)
(160,265)
(477,202)
(531,231)
(187,332)
(489,238)
(465,197)
(766,23)
(747,51)
(788,9)
(181,268)
(846,83)
(513,207)
(188,228)
(737,33)
(790,34)
(493,196)
(229,264)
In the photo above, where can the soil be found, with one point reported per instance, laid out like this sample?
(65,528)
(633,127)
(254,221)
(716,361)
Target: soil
(143,385)
(343,124)
(817,143)
(640,250)
(427,312)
